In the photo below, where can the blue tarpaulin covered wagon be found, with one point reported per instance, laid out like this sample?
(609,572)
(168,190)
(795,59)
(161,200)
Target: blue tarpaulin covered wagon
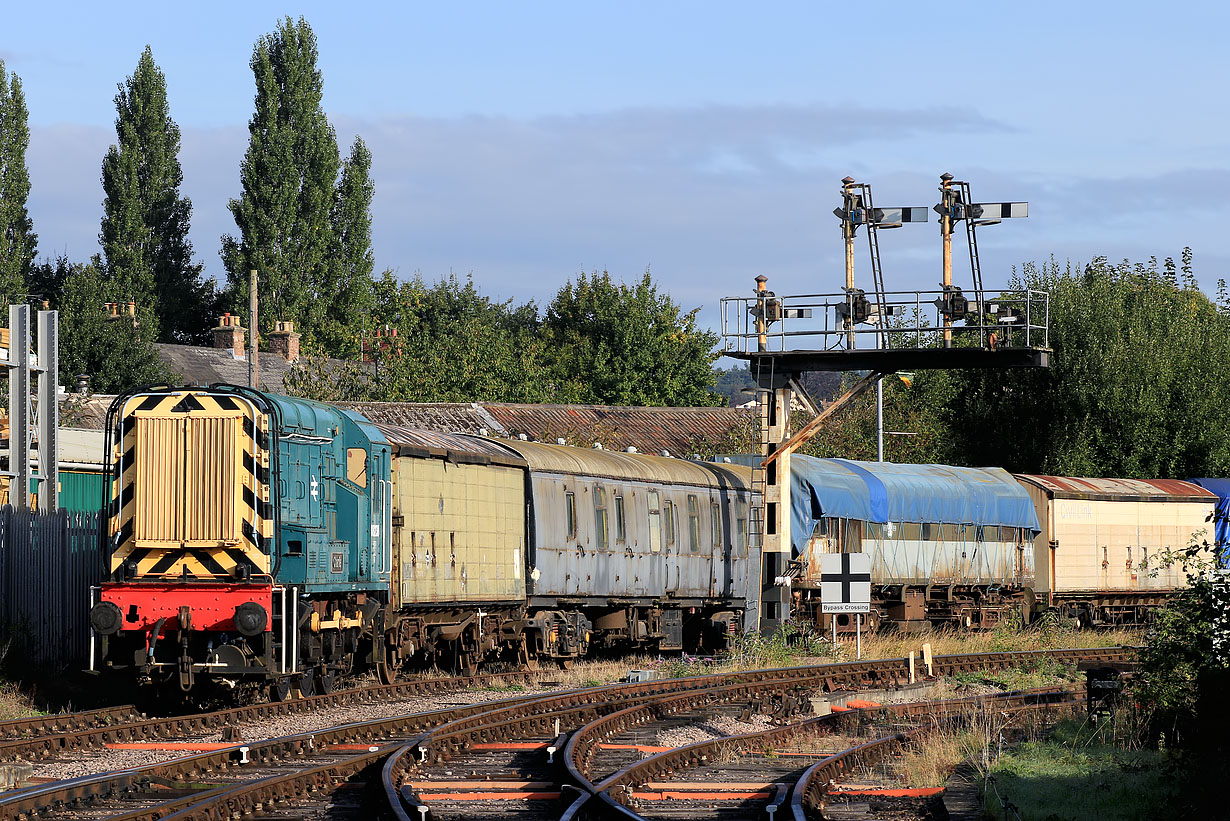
(947,544)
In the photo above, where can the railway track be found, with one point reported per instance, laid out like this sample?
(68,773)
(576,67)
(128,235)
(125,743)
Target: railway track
(20,728)
(759,774)
(528,747)
(44,737)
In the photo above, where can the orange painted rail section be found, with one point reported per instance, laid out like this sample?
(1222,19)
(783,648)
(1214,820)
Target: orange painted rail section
(510,745)
(542,745)
(489,796)
(174,746)
(532,786)
(709,786)
(357,748)
(687,795)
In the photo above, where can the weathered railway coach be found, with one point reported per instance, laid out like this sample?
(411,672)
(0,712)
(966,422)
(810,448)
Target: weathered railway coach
(1102,542)
(634,549)
(458,518)
(948,545)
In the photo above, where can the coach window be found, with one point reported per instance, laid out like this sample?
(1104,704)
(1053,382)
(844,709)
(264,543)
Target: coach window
(669,510)
(600,522)
(655,522)
(693,523)
(570,513)
(715,519)
(621,531)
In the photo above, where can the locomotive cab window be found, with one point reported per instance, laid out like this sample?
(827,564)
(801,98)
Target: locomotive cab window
(693,523)
(621,532)
(356,466)
(570,514)
(600,519)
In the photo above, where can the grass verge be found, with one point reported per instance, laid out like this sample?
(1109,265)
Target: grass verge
(14,703)
(1075,774)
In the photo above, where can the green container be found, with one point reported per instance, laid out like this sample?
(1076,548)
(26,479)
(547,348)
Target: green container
(81,490)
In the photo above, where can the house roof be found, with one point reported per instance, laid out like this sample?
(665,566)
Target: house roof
(205,366)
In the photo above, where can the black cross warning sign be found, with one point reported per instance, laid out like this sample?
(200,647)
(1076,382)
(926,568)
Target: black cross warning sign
(845,583)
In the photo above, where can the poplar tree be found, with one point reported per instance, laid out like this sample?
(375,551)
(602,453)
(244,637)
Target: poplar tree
(144,236)
(351,273)
(306,232)
(18,242)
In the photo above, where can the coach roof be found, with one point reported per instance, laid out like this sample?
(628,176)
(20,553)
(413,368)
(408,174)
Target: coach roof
(1139,490)
(629,466)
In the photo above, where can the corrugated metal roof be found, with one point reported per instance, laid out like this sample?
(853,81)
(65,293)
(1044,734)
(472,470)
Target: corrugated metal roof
(446,417)
(630,466)
(453,447)
(1073,487)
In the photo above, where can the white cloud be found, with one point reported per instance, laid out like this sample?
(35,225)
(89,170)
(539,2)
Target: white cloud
(708,197)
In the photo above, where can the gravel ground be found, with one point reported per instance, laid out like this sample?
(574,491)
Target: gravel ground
(97,761)
(716,727)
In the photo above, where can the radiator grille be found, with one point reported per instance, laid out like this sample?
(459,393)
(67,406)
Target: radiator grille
(187,479)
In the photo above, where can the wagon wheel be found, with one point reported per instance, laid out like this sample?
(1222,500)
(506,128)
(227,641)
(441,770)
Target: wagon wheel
(279,690)
(467,663)
(385,671)
(325,679)
(528,660)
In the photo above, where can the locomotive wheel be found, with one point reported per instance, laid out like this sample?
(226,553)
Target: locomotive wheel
(280,689)
(325,680)
(566,663)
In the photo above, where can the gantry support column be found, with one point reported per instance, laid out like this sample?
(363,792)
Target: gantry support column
(774,409)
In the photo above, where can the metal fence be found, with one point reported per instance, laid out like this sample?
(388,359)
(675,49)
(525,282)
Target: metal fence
(48,562)
(906,319)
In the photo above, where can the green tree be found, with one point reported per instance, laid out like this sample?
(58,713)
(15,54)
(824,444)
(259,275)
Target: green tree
(1138,383)
(349,278)
(629,344)
(114,353)
(456,345)
(293,205)
(144,236)
(18,242)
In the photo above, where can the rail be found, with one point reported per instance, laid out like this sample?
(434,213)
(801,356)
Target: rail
(906,319)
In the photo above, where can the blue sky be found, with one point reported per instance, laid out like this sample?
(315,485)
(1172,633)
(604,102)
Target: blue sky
(523,143)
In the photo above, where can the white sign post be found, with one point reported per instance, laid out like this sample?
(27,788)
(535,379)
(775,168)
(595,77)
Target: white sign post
(845,587)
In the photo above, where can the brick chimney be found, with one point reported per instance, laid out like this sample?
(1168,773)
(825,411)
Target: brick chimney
(230,334)
(284,341)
